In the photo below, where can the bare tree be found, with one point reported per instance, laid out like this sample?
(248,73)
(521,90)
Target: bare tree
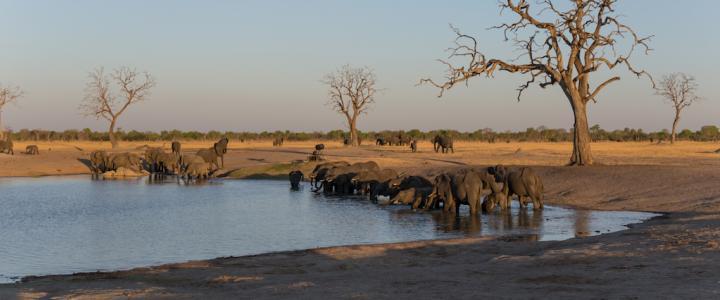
(101,102)
(352,91)
(581,37)
(8,95)
(679,89)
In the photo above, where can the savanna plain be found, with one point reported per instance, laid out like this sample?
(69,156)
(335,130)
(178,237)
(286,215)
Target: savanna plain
(674,255)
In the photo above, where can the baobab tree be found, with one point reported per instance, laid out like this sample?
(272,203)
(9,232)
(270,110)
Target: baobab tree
(8,95)
(679,89)
(352,92)
(578,39)
(101,102)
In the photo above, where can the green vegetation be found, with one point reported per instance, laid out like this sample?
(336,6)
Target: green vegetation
(539,134)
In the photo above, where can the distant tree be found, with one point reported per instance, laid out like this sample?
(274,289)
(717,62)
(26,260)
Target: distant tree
(352,92)
(8,95)
(101,102)
(709,132)
(580,38)
(678,89)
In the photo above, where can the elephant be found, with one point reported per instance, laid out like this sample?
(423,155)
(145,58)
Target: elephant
(197,170)
(32,150)
(340,178)
(220,149)
(186,159)
(210,156)
(413,146)
(295,176)
(99,161)
(176,148)
(278,142)
(461,187)
(123,160)
(168,162)
(151,158)
(6,146)
(365,180)
(320,170)
(523,183)
(319,147)
(406,182)
(380,141)
(444,143)
(415,197)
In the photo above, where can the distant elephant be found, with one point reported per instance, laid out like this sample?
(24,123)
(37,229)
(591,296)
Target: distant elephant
(32,150)
(444,143)
(320,147)
(523,183)
(197,170)
(99,161)
(380,141)
(295,177)
(278,142)
(176,148)
(413,146)
(6,146)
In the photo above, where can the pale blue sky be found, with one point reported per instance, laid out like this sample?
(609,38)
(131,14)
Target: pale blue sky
(257,65)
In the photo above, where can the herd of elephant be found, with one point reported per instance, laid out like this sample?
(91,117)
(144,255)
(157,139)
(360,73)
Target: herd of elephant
(442,143)
(7,146)
(202,164)
(447,191)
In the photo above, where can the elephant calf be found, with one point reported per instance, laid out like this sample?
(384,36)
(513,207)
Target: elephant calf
(523,182)
(32,150)
(296,177)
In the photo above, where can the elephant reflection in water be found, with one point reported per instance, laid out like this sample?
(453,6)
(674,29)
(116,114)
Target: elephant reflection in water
(582,223)
(451,222)
(525,219)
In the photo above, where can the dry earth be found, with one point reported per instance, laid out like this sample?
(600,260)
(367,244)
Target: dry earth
(673,256)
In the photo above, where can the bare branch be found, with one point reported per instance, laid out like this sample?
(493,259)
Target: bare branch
(351,92)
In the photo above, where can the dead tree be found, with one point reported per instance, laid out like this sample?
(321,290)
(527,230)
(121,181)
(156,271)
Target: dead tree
(678,89)
(351,91)
(8,95)
(101,102)
(578,39)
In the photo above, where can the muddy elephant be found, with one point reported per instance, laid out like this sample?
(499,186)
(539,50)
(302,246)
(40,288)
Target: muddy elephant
(6,146)
(444,143)
(124,160)
(197,170)
(99,161)
(32,150)
(415,197)
(295,177)
(176,148)
(522,182)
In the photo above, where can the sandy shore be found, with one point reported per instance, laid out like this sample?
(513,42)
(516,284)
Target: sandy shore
(674,256)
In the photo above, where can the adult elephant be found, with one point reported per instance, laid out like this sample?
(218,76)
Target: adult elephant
(220,150)
(176,148)
(295,177)
(444,143)
(124,160)
(318,174)
(6,146)
(453,189)
(99,161)
(524,183)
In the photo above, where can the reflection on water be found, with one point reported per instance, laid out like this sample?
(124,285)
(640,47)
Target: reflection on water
(59,225)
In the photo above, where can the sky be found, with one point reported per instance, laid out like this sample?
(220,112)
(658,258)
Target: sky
(257,65)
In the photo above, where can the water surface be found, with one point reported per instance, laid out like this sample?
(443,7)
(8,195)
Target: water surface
(61,225)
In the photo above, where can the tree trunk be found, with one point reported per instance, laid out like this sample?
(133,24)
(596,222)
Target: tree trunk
(111,134)
(581,155)
(353,133)
(674,127)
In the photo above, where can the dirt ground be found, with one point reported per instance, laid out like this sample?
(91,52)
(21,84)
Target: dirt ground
(673,256)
